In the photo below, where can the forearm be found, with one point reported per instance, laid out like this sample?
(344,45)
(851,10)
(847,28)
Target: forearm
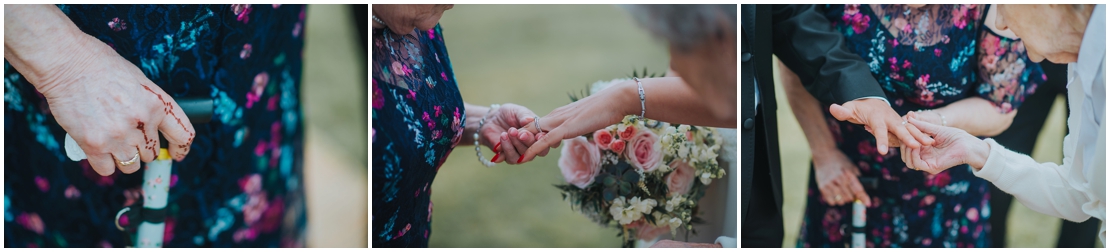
(977,116)
(808,111)
(668,99)
(474,115)
(1043,187)
(40,42)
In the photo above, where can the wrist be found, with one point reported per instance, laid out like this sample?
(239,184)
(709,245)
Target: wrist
(628,98)
(978,155)
(49,68)
(825,154)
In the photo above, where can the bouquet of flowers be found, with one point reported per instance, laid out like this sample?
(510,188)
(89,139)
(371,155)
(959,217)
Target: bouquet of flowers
(643,175)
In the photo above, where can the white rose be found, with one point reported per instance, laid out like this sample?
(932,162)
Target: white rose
(705,178)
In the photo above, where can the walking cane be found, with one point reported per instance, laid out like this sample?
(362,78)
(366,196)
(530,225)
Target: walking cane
(149,221)
(859,215)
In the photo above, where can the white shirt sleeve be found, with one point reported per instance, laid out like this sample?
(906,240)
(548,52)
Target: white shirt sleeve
(1043,187)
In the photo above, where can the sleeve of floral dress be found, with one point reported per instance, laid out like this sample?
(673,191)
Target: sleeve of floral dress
(1006,75)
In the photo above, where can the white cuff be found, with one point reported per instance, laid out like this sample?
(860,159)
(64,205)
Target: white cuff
(726,242)
(874,97)
(996,162)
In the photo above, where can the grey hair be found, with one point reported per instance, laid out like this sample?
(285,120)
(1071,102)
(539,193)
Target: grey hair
(684,25)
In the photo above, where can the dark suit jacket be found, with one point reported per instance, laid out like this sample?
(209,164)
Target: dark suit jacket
(806,43)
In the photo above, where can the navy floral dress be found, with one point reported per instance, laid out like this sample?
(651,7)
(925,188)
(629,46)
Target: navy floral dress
(240,186)
(418,119)
(923,58)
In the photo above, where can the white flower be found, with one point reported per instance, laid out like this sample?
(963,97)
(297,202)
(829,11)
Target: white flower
(617,208)
(674,202)
(683,128)
(674,223)
(643,206)
(683,152)
(625,214)
(705,178)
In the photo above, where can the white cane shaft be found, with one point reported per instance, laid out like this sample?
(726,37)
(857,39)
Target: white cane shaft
(859,221)
(156,184)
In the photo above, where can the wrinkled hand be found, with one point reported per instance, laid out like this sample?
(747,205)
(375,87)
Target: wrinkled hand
(504,129)
(953,147)
(112,110)
(678,244)
(838,176)
(881,121)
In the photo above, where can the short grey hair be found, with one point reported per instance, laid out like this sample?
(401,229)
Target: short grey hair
(684,25)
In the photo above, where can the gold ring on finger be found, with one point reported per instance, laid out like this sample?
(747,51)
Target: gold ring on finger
(132,160)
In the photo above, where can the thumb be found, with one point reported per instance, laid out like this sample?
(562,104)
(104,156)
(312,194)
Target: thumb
(841,113)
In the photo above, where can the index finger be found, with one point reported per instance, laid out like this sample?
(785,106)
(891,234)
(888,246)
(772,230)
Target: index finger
(858,192)
(176,128)
(550,139)
(904,135)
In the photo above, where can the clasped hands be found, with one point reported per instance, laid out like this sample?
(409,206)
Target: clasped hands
(925,145)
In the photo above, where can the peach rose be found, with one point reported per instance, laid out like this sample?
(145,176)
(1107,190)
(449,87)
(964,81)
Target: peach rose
(628,132)
(617,146)
(603,138)
(644,151)
(580,162)
(681,179)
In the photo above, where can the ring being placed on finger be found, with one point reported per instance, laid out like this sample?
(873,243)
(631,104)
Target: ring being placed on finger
(132,161)
(903,122)
(537,122)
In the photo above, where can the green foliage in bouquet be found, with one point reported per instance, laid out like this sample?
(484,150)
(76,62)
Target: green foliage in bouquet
(618,180)
(633,194)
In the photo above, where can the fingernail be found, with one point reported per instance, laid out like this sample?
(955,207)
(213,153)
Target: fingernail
(497,148)
(521,159)
(512,131)
(494,159)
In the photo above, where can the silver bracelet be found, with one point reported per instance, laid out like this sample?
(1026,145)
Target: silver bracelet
(477,145)
(643,107)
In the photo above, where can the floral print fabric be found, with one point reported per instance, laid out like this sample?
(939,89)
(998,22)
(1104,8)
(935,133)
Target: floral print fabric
(923,58)
(418,119)
(240,186)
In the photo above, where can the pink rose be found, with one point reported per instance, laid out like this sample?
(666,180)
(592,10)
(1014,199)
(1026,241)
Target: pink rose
(681,179)
(603,138)
(580,162)
(628,132)
(617,146)
(644,151)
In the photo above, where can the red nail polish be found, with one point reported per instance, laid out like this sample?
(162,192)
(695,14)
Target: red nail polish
(494,159)
(520,160)
(497,148)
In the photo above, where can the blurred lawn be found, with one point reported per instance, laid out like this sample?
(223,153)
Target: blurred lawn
(332,95)
(531,55)
(1027,229)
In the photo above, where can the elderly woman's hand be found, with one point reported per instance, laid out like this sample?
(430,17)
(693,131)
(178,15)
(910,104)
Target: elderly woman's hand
(507,132)
(104,102)
(953,147)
